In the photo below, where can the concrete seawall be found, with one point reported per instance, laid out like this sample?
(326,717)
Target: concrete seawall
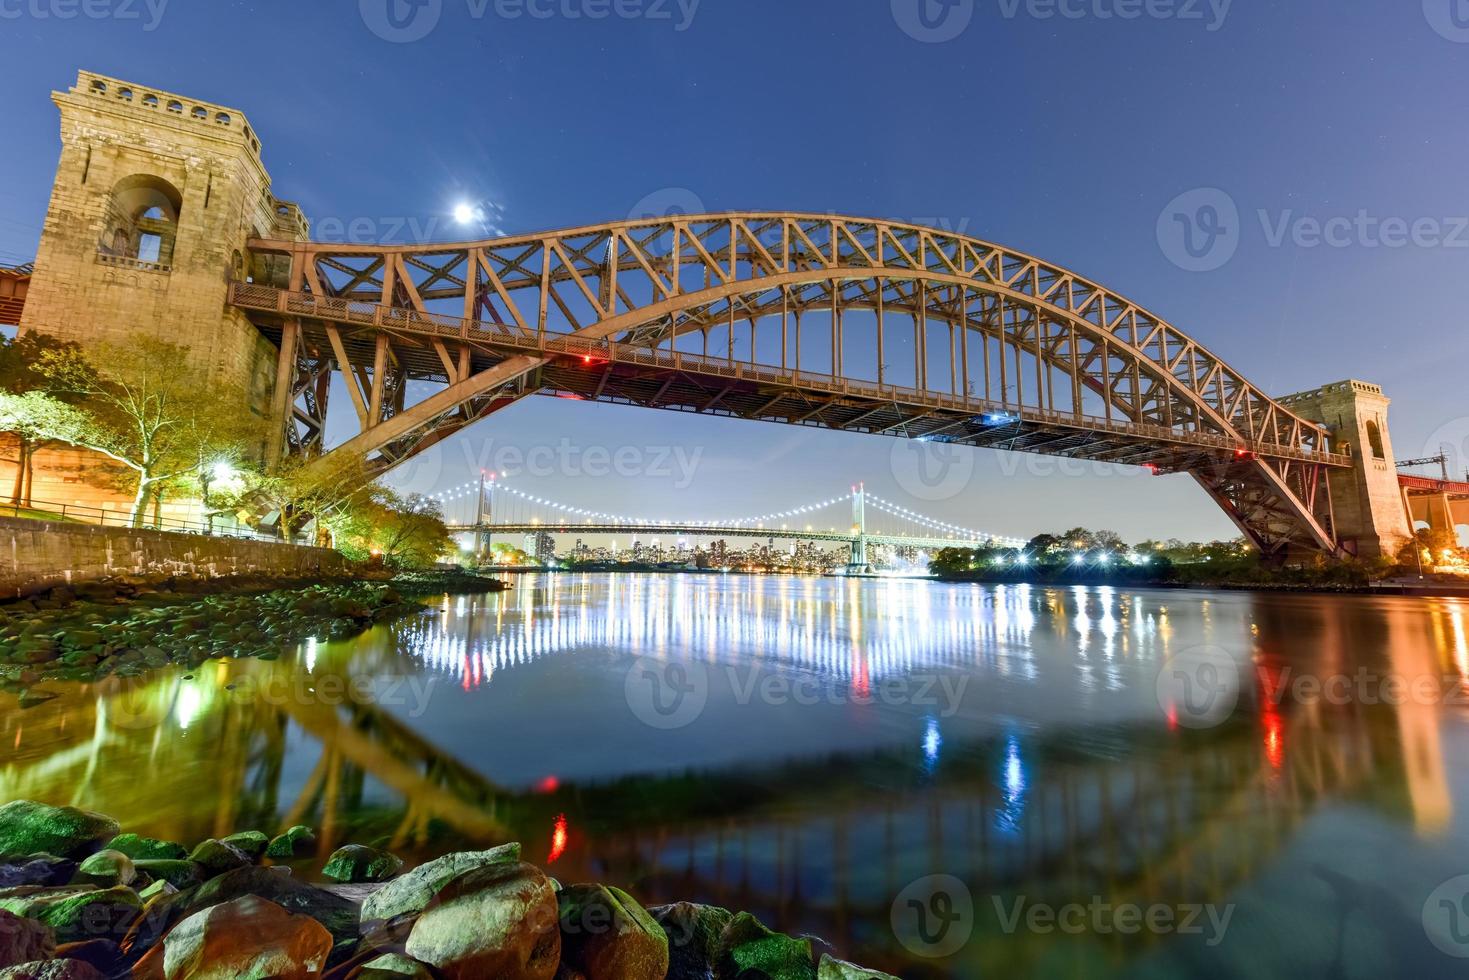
(37,555)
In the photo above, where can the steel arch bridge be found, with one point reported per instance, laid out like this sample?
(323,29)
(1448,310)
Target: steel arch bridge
(781,317)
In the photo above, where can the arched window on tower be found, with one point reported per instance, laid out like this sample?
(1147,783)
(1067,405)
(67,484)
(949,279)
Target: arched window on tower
(142,220)
(1374,440)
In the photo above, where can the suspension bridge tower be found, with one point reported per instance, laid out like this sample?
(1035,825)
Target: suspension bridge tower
(860,564)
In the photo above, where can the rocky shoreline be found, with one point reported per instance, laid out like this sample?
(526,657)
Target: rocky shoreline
(126,628)
(81,900)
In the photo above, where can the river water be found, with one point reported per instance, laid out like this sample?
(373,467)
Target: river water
(940,780)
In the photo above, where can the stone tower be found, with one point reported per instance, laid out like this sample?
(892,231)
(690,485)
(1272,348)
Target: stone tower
(1367,502)
(155,197)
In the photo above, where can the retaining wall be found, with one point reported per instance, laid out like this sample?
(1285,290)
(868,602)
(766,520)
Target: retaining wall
(37,555)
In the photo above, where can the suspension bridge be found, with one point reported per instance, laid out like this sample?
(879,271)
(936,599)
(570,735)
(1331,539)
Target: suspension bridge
(487,506)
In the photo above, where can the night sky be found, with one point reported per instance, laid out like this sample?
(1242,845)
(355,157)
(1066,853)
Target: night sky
(1140,152)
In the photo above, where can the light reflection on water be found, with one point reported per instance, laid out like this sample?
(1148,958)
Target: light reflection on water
(855,736)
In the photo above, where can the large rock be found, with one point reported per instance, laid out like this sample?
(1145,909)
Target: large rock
(832,968)
(37,869)
(76,913)
(412,892)
(248,938)
(693,933)
(23,940)
(498,921)
(27,827)
(105,869)
(355,864)
(217,857)
(607,935)
(52,970)
(147,848)
(336,913)
(748,946)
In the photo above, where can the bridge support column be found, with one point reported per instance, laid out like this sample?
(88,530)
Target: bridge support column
(1366,499)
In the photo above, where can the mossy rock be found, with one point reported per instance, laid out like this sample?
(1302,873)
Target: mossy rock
(76,916)
(217,857)
(292,844)
(412,892)
(355,864)
(250,842)
(147,848)
(748,948)
(27,827)
(606,933)
(106,869)
(180,874)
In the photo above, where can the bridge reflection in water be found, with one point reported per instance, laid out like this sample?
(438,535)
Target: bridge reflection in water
(1057,777)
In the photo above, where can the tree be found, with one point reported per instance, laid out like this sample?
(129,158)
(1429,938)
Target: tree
(298,488)
(407,532)
(145,405)
(20,374)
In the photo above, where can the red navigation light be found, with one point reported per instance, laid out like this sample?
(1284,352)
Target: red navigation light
(1151,468)
(1243,454)
(548,785)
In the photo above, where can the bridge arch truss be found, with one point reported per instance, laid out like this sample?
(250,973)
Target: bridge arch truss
(845,323)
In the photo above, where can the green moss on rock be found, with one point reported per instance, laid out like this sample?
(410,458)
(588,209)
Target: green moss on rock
(27,827)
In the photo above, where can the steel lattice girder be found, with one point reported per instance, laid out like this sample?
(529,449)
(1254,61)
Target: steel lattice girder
(1038,358)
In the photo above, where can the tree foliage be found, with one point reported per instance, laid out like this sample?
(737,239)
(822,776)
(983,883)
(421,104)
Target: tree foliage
(143,404)
(407,532)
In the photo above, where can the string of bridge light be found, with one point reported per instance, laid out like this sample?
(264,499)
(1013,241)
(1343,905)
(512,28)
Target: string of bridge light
(898,510)
(472,487)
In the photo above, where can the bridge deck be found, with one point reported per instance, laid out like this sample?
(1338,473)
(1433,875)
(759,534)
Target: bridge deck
(1418,486)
